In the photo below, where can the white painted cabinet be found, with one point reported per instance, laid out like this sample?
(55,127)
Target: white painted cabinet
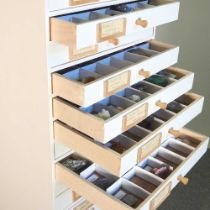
(95,108)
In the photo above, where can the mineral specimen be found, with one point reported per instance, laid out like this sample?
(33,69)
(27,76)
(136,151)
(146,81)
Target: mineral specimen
(75,164)
(104,114)
(158,80)
(163,171)
(135,98)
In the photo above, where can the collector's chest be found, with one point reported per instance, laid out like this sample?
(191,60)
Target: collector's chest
(119,105)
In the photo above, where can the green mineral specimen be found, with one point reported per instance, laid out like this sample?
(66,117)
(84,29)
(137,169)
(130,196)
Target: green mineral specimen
(158,80)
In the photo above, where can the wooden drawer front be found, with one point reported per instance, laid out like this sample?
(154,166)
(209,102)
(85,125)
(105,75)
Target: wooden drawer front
(109,23)
(121,107)
(61,54)
(139,142)
(163,194)
(113,73)
(142,187)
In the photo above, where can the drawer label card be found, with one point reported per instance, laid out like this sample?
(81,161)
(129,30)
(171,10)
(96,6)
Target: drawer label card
(78,2)
(135,116)
(111,29)
(116,83)
(86,51)
(163,194)
(84,205)
(149,147)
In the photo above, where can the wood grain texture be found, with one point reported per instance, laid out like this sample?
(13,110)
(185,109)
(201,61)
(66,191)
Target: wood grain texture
(68,89)
(160,198)
(107,158)
(88,190)
(77,119)
(63,32)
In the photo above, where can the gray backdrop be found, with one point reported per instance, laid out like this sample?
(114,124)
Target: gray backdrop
(192,33)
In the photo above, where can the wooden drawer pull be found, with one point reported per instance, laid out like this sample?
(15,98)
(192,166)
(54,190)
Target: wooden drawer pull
(183,180)
(162,105)
(142,23)
(114,41)
(144,73)
(175,133)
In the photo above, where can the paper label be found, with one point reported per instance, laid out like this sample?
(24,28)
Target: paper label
(84,206)
(135,116)
(78,2)
(149,147)
(84,50)
(117,83)
(164,193)
(111,29)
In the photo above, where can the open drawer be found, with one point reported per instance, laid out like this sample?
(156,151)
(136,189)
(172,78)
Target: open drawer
(116,114)
(55,5)
(126,150)
(110,74)
(64,4)
(145,186)
(66,56)
(109,23)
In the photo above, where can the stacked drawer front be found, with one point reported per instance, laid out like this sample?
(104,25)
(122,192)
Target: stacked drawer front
(119,105)
(139,141)
(107,28)
(145,190)
(125,113)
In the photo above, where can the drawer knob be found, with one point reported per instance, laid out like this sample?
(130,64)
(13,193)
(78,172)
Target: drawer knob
(114,41)
(162,105)
(144,73)
(142,23)
(183,180)
(175,133)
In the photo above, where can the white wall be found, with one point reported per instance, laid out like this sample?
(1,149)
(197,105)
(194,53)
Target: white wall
(25,156)
(192,34)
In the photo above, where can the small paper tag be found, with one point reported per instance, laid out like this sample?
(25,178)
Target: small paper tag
(116,83)
(135,116)
(78,2)
(84,206)
(158,200)
(111,29)
(85,50)
(149,147)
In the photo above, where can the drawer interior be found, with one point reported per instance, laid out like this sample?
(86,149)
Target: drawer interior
(97,69)
(110,106)
(128,140)
(180,103)
(143,179)
(120,9)
(107,12)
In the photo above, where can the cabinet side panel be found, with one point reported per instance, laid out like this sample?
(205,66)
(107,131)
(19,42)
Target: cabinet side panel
(25,157)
